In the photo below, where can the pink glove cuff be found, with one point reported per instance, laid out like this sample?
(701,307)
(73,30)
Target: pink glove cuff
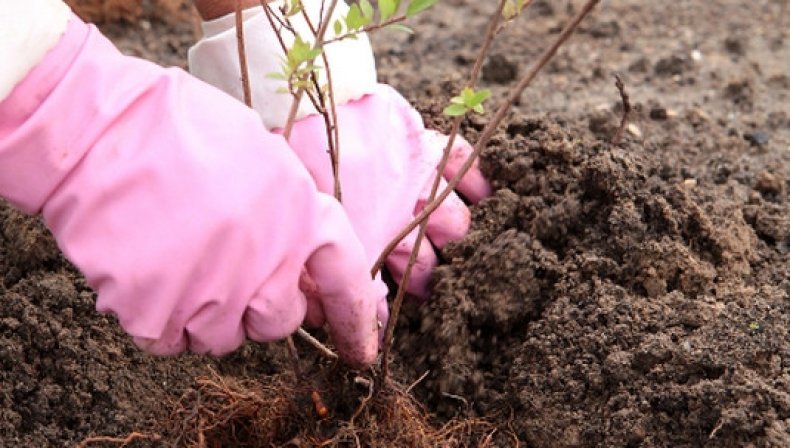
(28,177)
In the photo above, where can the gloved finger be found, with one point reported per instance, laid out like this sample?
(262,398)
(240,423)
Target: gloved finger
(314,317)
(348,297)
(473,186)
(315,313)
(450,221)
(421,272)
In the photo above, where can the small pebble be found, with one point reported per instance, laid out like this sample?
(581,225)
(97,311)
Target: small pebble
(634,130)
(769,183)
(757,138)
(659,113)
(696,55)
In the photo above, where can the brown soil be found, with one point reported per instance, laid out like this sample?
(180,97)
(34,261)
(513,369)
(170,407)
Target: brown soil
(628,295)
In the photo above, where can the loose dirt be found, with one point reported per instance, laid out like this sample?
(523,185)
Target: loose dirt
(607,295)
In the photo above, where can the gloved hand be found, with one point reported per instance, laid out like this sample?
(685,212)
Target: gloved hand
(388,159)
(190,220)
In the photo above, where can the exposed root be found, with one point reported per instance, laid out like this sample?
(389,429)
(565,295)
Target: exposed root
(225,412)
(120,441)
(221,411)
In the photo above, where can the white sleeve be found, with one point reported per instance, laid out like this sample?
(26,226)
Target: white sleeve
(28,30)
(214,59)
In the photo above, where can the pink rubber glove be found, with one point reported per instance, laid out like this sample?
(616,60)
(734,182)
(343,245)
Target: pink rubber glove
(189,219)
(388,163)
(387,158)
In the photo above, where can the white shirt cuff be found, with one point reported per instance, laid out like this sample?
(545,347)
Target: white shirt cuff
(214,59)
(28,30)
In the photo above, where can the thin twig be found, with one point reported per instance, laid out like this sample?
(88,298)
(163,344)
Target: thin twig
(487,440)
(325,23)
(489,130)
(367,29)
(418,381)
(289,341)
(398,302)
(322,349)
(120,441)
(626,109)
(491,30)
(289,122)
(299,93)
(456,398)
(245,74)
(330,117)
(362,405)
(248,101)
(270,17)
(504,25)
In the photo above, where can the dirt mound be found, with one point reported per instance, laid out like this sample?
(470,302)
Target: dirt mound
(68,372)
(604,298)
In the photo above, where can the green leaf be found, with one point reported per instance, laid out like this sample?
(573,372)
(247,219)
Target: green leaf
(366,8)
(338,27)
(478,97)
(387,8)
(302,84)
(314,53)
(469,99)
(417,6)
(400,27)
(300,57)
(467,94)
(355,19)
(455,110)
(294,8)
(510,10)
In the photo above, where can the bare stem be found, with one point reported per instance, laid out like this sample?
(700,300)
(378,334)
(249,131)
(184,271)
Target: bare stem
(248,100)
(289,341)
(322,349)
(491,31)
(367,29)
(492,126)
(330,116)
(626,109)
(398,303)
(289,123)
(270,17)
(245,74)
(335,140)
(325,20)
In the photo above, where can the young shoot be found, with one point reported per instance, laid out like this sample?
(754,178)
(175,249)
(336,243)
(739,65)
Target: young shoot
(298,64)
(470,100)
(513,8)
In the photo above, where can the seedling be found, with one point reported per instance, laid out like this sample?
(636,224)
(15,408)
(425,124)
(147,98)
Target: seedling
(468,101)
(300,71)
